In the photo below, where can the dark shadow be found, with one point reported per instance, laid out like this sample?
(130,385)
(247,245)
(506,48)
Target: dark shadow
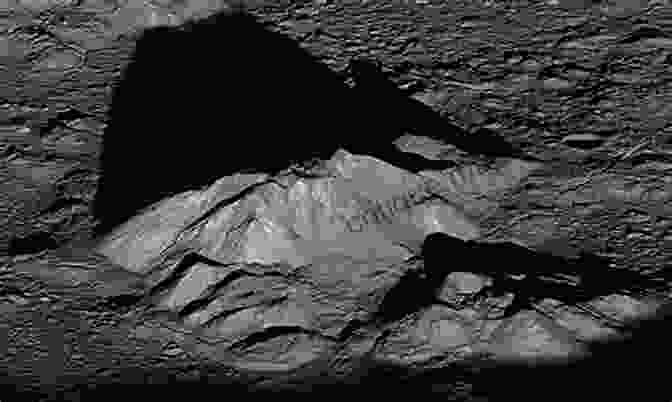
(412,116)
(226,94)
(33,243)
(535,275)
(415,290)
(529,275)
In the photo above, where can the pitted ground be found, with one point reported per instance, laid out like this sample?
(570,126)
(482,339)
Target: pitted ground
(586,89)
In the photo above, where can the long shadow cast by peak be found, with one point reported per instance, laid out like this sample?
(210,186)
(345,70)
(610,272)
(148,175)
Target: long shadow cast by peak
(415,117)
(225,94)
(570,280)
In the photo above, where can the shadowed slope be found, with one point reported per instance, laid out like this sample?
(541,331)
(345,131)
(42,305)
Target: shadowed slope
(221,95)
(569,280)
(413,116)
(184,115)
(415,290)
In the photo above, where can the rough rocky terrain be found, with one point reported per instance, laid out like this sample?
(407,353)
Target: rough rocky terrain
(581,86)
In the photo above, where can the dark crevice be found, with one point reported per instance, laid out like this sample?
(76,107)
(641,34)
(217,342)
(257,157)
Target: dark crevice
(227,313)
(196,305)
(212,294)
(180,271)
(222,315)
(122,301)
(223,203)
(267,335)
(196,258)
